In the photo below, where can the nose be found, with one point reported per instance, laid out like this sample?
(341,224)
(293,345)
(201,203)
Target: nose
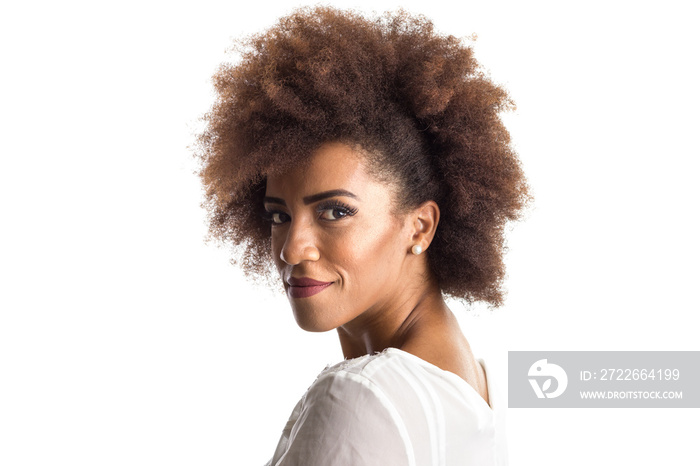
(299,245)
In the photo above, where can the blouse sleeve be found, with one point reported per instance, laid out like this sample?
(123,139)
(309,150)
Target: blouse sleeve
(347,419)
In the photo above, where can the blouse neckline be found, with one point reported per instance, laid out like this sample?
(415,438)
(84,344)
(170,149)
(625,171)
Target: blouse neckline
(447,374)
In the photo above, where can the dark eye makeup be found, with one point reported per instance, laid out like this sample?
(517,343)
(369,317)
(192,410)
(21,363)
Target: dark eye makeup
(328,211)
(337,210)
(275,217)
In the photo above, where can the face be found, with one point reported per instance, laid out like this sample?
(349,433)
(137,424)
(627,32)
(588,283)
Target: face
(339,247)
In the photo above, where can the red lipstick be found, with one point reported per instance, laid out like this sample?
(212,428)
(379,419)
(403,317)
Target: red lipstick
(305,287)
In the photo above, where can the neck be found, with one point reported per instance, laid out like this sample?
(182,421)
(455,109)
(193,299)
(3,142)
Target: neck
(403,325)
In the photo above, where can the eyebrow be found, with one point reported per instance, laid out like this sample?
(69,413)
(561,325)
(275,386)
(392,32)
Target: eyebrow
(326,194)
(313,198)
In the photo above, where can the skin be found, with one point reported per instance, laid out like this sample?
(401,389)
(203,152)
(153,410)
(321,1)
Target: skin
(380,294)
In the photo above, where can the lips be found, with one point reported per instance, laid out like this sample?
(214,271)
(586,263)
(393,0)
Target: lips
(305,287)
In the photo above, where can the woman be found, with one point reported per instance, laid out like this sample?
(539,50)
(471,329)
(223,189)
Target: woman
(366,160)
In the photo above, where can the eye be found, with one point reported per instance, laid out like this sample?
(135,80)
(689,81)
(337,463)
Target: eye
(279,217)
(333,214)
(276,218)
(335,211)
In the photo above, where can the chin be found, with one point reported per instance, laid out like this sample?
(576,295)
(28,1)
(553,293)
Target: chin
(312,321)
(314,326)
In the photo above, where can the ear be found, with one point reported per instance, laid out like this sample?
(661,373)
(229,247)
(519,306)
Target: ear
(425,219)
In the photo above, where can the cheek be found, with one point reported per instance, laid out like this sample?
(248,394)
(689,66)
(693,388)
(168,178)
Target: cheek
(370,254)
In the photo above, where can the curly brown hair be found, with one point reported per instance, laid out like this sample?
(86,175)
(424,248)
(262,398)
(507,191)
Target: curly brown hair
(415,101)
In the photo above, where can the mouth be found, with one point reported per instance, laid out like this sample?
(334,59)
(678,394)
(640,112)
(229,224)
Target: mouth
(305,287)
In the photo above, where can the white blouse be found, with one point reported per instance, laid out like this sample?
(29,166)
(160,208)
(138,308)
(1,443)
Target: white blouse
(393,408)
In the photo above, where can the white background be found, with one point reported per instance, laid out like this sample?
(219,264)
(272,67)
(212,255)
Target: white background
(124,339)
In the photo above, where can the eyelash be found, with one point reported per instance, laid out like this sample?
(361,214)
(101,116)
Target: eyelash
(268,216)
(345,209)
(339,206)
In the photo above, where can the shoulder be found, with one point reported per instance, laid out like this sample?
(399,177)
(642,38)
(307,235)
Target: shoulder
(398,376)
(346,418)
(350,384)
(388,408)
(353,392)
(411,393)
(382,377)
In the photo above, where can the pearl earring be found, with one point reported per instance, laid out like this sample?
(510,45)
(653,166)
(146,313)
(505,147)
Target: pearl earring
(416,249)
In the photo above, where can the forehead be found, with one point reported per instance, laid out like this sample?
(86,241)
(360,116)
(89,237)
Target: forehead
(331,166)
